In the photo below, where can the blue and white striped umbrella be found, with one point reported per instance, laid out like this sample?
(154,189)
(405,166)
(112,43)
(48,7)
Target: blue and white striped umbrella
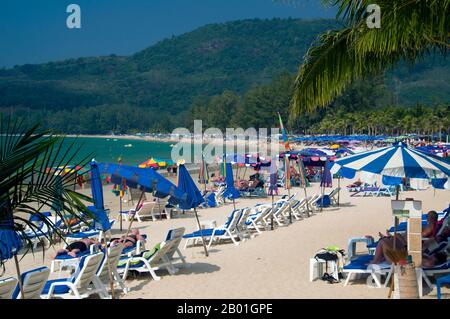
(395,161)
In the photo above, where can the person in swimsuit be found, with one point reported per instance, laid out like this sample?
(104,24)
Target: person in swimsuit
(76,247)
(130,240)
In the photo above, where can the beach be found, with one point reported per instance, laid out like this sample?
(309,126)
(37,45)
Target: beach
(274,264)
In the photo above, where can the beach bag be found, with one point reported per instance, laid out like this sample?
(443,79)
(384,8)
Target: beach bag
(334,254)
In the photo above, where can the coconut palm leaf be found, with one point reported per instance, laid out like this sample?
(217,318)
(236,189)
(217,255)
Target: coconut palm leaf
(29,185)
(409,30)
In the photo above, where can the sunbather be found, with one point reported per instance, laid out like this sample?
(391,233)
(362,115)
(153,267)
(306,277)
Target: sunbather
(76,247)
(387,243)
(130,240)
(430,230)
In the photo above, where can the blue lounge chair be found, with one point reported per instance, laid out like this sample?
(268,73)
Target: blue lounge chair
(439,282)
(360,265)
(226,231)
(79,285)
(159,258)
(7,287)
(102,279)
(33,281)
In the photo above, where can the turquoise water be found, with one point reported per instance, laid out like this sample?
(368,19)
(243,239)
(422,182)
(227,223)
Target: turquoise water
(110,149)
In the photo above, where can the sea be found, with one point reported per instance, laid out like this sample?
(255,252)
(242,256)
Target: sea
(110,150)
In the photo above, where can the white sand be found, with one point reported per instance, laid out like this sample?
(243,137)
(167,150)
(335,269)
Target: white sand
(274,264)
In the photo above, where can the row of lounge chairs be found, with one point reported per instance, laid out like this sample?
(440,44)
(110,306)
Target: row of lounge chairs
(92,272)
(242,223)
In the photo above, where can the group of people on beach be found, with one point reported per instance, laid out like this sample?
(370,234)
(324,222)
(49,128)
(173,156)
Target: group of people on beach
(435,232)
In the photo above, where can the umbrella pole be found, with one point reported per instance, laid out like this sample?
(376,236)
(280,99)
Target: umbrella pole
(108,264)
(234,204)
(19,277)
(339,189)
(200,229)
(396,219)
(271,215)
(137,205)
(120,212)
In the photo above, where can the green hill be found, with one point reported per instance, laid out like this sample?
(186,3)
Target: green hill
(145,90)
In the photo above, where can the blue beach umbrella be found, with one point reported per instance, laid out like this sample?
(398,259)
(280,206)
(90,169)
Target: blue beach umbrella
(98,210)
(10,244)
(145,179)
(187,185)
(230,192)
(395,161)
(194,197)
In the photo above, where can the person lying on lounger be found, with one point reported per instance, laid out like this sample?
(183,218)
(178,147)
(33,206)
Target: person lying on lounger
(76,247)
(130,240)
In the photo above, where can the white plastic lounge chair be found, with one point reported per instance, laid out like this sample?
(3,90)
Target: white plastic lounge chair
(333,195)
(226,231)
(150,209)
(151,260)
(241,226)
(79,285)
(87,232)
(40,232)
(7,287)
(176,235)
(102,278)
(361,265)
(33,281)
(258,217)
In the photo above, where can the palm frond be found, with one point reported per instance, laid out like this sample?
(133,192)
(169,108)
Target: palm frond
(409,30)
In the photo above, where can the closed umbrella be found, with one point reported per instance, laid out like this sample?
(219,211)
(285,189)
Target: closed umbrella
(193,198)
(230,191)
(100,216)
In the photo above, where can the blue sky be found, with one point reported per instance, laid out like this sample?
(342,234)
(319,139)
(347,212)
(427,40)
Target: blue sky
(34,31)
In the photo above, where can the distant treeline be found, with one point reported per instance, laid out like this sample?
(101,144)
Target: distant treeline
(367,107)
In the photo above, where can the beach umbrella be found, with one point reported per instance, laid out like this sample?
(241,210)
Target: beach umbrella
(193,198)
(203,175)
(146,179)
(326,180)
(273,186)
(303,181)
(230,191)
(395,163)
(287,181)
(98,210)
(99,213)
(10,244)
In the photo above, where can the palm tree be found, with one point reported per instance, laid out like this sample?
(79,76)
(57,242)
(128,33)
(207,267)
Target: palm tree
(409,30)
(28,185)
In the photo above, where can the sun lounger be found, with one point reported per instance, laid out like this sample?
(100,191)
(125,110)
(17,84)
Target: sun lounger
(101,281)
(153,260)
(33,281)
(87,232)
(226,231)
(241,226)
(333,195)
(361,265)
(7,287)
(39,232)
(258,218)
(79,285)
(439,282)
(176,235)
